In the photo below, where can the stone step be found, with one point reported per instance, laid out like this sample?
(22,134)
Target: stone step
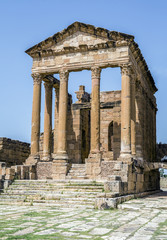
(57,182)
(60,191)
(76,177)
(77,171)
(39,193)
(47,198)
(66,193)
(56,187)
(78,165)
(80,171)
(53,204)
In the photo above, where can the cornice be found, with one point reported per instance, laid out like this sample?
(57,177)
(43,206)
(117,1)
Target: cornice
(80,48)
(113,40)
(82,27)
(142,65)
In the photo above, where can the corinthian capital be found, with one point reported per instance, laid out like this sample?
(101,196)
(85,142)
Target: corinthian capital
(96,72)
(63,75)
(48,86)
(37,78)
(126,69)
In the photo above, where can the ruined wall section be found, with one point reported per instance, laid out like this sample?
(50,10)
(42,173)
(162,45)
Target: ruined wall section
(110,111)
(13,152)
(145,124)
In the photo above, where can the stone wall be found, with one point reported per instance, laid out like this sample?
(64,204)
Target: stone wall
(110,115)
(163,182)
(78,128)
(13,152)
(9,174)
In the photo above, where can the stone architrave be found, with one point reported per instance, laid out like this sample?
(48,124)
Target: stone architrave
(95,110)
(126,111)
(47,122)
(36,109)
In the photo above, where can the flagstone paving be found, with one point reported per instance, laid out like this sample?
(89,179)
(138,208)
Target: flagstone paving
(137,219)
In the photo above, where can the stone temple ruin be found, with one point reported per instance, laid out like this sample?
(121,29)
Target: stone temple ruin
(108,137)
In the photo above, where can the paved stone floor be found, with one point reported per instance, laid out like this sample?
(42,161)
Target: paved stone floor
(135,220)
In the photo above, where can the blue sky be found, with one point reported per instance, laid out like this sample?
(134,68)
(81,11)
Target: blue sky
(23,23)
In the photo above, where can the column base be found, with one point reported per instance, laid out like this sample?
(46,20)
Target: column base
(60,165)
(44,170)
(60,169)
(93,165)
(60,156)
(47,158)
(32,160)
(126,157)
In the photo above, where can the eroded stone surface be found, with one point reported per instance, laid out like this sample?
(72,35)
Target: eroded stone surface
(146,221)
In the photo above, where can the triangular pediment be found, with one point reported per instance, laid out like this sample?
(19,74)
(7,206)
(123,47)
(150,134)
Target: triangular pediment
(78,34)
(81,37)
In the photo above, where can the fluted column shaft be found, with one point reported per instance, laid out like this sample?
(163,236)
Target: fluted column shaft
(95,110)
(126,111)
(47,121)
(56,119)
(63,104)
(36,109)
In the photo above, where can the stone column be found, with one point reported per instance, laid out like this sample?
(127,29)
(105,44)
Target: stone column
(95,110)
(126,111)
(56,120)
(36,109)
(63,104)
(47,141)
(93,163)
(133,115)
(60,162)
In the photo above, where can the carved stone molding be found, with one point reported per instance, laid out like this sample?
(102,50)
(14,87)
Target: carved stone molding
(126,69)
(96,72)
(48,86)
(37,78)
(63,75)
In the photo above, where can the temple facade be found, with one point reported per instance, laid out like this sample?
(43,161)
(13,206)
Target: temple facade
(110,135)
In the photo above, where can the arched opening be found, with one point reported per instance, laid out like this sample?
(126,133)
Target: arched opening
(110,136)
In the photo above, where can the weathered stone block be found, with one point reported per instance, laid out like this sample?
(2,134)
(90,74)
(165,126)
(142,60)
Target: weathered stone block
(9,177)
(44,170)
(10,171)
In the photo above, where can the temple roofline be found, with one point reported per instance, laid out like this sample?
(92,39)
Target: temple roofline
(119,39)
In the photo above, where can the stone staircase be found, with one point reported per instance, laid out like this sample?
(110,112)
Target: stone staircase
(57,193)
(77,171)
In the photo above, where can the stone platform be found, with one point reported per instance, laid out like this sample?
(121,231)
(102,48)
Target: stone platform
(71,193)
(138,219)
